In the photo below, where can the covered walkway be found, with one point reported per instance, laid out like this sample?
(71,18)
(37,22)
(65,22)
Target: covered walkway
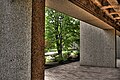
(22,42)
(74,71)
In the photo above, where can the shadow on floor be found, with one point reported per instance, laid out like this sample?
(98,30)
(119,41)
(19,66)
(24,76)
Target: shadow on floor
(55,64)
(73,71)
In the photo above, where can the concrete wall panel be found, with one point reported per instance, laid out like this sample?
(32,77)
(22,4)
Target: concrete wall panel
(15,39)
(118,47)
(97,46)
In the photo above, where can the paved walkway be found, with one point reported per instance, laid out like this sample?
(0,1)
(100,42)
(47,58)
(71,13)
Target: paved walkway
(73,71)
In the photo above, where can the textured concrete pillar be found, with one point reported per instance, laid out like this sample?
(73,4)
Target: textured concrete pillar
(97,46)
(15,39)
(38,27)
(118,47)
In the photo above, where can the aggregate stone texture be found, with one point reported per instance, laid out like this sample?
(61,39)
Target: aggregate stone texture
(74,71)
(15,39)
(38,41)
(97,46)
(118,47)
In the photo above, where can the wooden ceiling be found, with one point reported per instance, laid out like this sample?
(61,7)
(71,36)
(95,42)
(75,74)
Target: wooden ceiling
(110,7)
(106,10)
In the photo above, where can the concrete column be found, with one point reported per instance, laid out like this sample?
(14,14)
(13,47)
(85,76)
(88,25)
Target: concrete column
(118,47)
(38,27)
(15,39)
(97,46)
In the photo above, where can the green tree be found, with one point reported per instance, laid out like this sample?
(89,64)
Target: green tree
(61,30)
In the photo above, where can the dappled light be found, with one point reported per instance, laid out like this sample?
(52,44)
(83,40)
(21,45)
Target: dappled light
(62,38)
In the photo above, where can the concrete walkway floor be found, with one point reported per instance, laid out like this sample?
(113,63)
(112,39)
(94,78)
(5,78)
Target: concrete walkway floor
(73,71)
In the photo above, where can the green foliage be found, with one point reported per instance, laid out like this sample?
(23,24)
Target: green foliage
(74,54)
(49,59)
(66,56)
(61,30)
(58,58)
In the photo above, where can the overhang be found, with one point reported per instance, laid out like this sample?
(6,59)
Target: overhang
(75,9)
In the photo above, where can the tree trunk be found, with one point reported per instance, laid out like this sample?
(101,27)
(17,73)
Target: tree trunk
(58,36)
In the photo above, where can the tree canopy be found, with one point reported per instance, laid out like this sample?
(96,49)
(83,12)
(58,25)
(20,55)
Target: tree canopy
(61,31)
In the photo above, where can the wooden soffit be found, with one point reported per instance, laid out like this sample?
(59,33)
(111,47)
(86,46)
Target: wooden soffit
(106,10)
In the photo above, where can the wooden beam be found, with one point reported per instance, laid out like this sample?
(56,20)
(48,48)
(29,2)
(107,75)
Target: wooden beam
(104,8)
(96,2)
(94,7)
(113,2)
(117,18)
(112,13)
(38,41)
(110,6)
